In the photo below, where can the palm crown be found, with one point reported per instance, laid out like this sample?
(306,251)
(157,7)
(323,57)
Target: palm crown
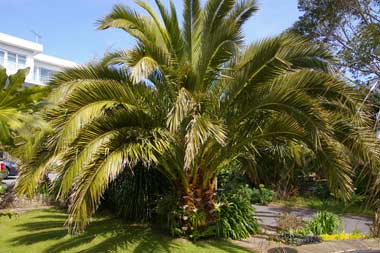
(186,100)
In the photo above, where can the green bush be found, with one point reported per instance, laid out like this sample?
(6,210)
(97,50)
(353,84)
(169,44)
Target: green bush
(262,195)
(325,223)
(236,218)
(243,191)
(234,181)
(231,175)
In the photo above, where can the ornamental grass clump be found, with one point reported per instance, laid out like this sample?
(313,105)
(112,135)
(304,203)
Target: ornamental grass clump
(325,223)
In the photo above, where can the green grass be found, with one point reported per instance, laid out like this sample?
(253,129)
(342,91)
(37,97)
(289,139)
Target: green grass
(335,206)
(42,231)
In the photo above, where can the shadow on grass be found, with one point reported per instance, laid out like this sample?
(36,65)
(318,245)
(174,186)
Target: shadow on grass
(105,235)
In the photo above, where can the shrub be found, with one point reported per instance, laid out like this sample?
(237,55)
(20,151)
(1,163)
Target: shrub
(325,223)
(256,196)
(236,218)
(243,191)
(233,181)
(262,195)
(232,175)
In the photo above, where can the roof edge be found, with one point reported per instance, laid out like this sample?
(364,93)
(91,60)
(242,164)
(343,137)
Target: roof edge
(21,43)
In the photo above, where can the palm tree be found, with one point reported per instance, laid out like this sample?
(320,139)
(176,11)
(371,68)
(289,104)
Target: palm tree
(187,100)
(16,104)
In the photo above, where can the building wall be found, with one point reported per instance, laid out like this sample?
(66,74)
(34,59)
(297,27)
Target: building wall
(29,54)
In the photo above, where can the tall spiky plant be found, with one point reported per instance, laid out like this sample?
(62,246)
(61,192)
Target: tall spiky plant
(186,100)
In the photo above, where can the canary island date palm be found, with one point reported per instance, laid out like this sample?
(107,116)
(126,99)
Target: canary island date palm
(188,99)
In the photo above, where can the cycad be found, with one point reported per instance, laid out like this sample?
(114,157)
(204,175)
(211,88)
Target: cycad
(187,100)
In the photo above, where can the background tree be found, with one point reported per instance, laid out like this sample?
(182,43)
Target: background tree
(351,28)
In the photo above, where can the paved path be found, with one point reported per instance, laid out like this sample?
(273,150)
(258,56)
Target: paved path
(268,216)
(261,245)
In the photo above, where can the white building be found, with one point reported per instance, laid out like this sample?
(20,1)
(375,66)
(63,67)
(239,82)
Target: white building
(16,53)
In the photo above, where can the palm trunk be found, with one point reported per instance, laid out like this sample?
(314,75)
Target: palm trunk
(198,205)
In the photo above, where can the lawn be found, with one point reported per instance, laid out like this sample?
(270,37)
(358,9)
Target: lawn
(42,231)
(352,207)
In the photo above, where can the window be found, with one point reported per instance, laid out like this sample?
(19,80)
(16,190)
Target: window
(12,61)
(46,75)
(16,61)
(2,54)
(21,62)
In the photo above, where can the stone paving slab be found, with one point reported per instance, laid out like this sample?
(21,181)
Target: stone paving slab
(261,245)
(339,246)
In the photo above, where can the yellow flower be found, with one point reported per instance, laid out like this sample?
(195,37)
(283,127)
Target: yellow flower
(342,236)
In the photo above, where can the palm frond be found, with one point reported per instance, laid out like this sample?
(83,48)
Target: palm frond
(200,129)
(31,176)
(96,148)
(191,26)
(184,104)
(94,179)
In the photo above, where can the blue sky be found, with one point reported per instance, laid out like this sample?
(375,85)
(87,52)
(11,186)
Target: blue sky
(68,26)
